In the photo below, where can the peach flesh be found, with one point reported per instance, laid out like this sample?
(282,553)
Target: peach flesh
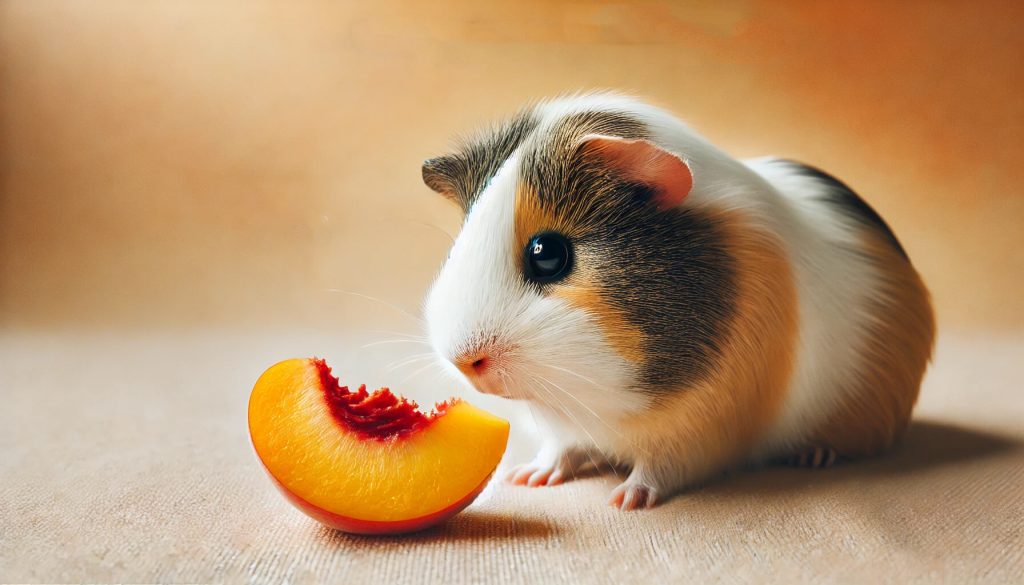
(379,416)
(353,423)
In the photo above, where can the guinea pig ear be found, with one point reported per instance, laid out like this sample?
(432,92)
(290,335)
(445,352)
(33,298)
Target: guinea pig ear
(668,175)
(439,174)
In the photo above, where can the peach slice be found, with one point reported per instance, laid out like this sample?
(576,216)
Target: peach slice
(369,463)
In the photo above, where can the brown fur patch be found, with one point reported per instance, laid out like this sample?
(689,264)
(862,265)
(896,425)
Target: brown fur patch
(580,289)
(717,421)
(878,403)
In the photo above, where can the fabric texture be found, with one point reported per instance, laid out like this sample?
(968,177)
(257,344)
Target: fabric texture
(126,458)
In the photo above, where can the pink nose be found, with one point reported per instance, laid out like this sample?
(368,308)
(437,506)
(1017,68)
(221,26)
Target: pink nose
(473,363)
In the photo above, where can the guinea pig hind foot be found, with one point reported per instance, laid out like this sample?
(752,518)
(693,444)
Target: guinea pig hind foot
(814,458)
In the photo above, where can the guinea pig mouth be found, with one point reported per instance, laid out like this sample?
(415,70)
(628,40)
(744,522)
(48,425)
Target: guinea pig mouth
(491,384)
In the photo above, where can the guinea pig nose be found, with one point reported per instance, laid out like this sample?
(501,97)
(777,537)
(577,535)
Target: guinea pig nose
(473,363)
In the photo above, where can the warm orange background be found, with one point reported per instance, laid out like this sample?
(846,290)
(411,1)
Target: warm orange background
(225,163)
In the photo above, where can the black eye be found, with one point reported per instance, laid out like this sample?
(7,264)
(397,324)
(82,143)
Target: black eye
(548,257)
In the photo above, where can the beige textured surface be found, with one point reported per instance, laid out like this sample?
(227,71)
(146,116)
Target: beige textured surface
(181,183)
(121,463)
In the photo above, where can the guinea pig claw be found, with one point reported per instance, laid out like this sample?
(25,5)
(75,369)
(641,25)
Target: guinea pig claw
(633,496)
(552,466)
(534,476)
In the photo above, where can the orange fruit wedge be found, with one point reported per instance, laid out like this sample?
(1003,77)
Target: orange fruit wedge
(369,463)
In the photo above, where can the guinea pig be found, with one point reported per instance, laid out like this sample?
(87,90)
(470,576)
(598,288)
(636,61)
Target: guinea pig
(667,308)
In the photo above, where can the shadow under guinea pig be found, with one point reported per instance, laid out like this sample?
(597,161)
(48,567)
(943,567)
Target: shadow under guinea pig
(927,446)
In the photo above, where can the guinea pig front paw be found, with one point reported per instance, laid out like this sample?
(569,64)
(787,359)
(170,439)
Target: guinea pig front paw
(552,466)
(631,495)
(534,475)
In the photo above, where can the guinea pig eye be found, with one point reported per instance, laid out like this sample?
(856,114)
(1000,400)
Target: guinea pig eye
(548,257)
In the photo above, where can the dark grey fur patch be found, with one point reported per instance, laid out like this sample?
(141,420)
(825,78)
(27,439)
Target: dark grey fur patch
(843,198)
(668,271)
(463,174)
(552,157)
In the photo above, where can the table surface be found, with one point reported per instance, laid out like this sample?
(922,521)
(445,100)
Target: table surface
(125,458)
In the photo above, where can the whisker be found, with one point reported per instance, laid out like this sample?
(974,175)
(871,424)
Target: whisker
(388,341)
(552,403)
(503,375)
(530,406)
(410,357)
(404,334)
(573,420)
(568,371)
(415,373)
(581,403)
(407,361)
(379,300)
(596,416)
(450,237)
(506,377)
(390,221)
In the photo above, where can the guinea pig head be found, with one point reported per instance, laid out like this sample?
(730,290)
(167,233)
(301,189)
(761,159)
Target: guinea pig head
(580,280)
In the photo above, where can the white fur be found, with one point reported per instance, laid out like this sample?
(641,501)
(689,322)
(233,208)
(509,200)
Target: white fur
(555,354)
(833,290)
(480,294)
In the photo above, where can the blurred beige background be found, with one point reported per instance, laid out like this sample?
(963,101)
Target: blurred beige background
(185,186)
(208,164)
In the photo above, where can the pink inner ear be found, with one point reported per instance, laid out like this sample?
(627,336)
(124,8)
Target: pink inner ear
(641,161)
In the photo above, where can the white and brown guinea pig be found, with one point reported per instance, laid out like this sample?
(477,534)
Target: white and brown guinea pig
(668,308)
